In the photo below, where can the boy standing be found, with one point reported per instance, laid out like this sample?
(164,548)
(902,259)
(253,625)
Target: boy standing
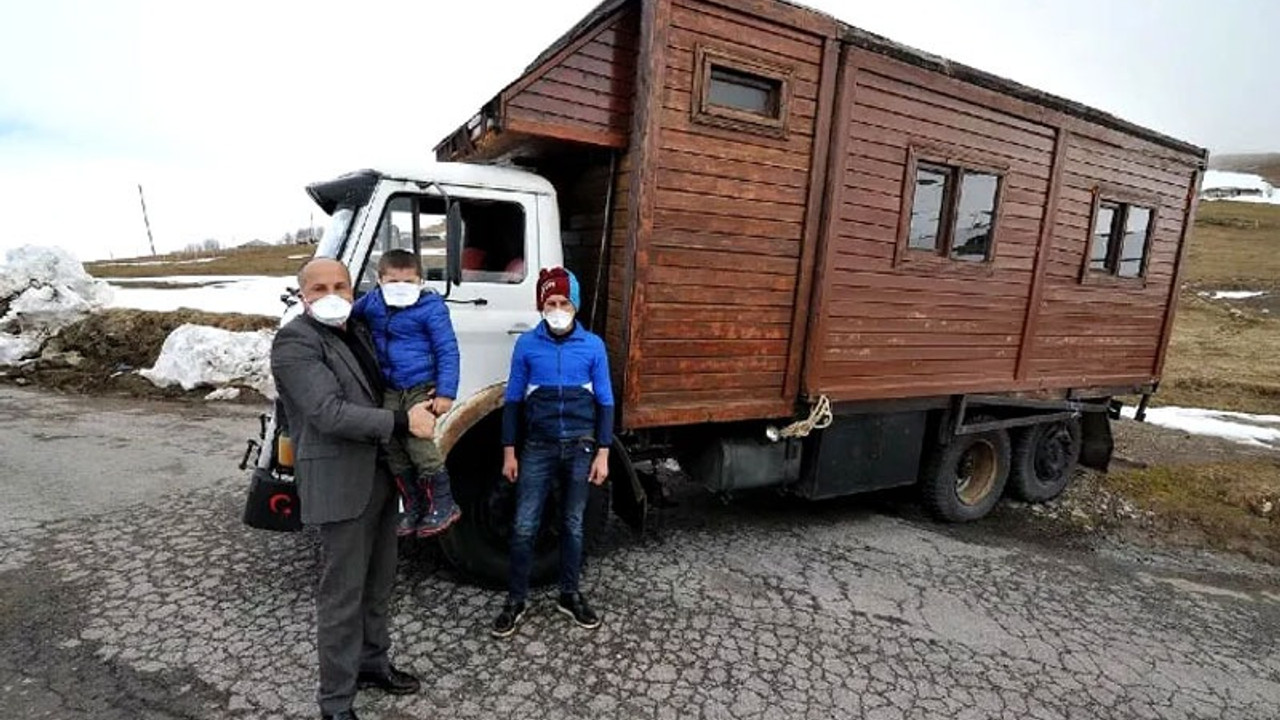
(418,353)
(559,404)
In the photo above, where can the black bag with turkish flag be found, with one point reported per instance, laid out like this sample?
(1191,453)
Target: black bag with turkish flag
(273,503)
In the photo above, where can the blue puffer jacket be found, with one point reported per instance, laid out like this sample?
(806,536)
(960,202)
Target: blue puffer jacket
(560,387)
(416,345)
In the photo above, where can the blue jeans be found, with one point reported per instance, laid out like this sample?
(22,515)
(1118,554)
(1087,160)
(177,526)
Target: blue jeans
(546,467)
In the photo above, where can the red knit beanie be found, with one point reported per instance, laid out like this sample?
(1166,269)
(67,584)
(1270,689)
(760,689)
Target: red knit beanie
(557,281)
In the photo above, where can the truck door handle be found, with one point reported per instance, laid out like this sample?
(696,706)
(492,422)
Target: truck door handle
(519,329)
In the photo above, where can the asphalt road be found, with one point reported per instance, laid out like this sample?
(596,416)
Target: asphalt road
(129,589)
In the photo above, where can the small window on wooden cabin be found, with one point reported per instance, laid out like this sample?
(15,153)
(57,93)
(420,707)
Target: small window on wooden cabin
(953,211)
(740,93)
(736,90)
(1119,239)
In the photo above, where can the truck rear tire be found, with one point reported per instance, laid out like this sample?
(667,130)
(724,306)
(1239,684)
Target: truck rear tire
(478,545)
(964,479)
(1044,459)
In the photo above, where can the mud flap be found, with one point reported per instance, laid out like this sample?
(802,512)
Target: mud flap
(630,503)
(1097,443)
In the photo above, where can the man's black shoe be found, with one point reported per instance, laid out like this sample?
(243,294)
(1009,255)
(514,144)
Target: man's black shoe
(393,681)
(573,605)
(505,624)
(344,715)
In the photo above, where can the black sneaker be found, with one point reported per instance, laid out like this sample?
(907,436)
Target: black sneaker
(505,624)
(576,607)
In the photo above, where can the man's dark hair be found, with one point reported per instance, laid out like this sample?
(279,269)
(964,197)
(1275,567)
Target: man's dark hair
(398,260)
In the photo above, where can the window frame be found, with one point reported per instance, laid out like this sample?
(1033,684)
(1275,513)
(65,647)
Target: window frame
(708,113)
(955,163)
(1126,200)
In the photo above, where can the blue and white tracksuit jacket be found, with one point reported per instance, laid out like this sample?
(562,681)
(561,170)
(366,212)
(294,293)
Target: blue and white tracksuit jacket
(560,387)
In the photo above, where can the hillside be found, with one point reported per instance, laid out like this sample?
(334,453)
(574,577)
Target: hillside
(258,260)
(1265,164)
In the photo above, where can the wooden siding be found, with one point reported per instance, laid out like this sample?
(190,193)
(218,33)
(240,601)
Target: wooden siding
(721,267)
(1107,327)
(583,93)
(887,328)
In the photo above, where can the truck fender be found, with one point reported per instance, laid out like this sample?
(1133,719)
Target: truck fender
(466,414)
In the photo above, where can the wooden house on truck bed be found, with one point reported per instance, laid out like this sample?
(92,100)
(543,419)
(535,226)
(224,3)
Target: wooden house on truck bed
(772,207)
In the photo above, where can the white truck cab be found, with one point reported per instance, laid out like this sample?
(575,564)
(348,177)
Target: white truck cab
(507,227)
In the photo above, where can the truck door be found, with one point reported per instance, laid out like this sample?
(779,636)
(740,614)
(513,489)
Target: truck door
(496,301)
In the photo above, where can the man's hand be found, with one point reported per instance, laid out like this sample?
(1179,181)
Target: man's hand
(600,467)
(510,466)
(441,405)
(422,423)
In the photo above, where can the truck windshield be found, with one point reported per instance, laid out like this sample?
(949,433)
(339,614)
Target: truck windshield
(336,234)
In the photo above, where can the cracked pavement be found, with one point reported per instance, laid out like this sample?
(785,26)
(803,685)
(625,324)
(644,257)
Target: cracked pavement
(130,589)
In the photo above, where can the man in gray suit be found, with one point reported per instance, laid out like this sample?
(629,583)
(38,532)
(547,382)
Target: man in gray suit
(331,389)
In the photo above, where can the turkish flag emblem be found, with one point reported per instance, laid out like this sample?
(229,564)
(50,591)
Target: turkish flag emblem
(281,504)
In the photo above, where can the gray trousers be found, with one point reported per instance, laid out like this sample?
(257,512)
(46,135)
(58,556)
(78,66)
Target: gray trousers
(358,570)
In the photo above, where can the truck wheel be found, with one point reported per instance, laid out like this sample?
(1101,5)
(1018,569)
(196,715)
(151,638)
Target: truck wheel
(478,545)
(963,480)
(1044,459)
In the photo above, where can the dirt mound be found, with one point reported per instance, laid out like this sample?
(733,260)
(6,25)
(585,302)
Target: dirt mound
(100,353)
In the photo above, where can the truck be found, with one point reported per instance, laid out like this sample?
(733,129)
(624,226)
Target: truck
(822,262)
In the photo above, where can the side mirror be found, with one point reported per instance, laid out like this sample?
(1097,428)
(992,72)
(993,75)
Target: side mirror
(454,234)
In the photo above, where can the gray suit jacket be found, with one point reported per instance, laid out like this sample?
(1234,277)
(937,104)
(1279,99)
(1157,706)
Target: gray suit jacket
(334,416)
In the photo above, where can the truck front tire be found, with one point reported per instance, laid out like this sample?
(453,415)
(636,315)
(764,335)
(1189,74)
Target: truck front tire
(478,545)
(964,479)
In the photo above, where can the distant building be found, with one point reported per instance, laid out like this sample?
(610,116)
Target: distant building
(1221,185)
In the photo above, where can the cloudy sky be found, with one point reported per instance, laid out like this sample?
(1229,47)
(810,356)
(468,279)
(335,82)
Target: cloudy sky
(223,111)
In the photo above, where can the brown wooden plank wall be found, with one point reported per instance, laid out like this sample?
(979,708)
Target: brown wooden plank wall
(722,264)
(584,92)
(917,329)
(1091,330)
(581,190)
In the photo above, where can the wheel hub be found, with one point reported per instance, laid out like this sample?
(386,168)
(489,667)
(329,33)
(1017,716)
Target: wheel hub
(976,473)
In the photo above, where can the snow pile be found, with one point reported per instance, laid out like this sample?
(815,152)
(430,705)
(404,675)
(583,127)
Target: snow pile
(1244,187)
(1233,294)
(247,294)
(199,356)
(42,290)
(1256,430)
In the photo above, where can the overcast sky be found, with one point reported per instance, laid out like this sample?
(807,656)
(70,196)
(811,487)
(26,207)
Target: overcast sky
(223,111)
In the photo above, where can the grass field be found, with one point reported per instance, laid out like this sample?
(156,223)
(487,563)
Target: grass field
(1223,353)
(268,260)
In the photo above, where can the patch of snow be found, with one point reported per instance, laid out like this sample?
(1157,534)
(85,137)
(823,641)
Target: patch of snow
(251,295)
(46,289)
(1233,294)
(15,348)
(189,279)
(198,356)
(149,263)
(223,394)
(1244,428)
(1218,179)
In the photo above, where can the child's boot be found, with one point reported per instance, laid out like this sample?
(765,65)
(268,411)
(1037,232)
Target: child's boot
(444,511)
(415,507)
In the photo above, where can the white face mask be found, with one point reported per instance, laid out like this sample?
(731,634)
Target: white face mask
(401,294)
(332,310)
(559,320)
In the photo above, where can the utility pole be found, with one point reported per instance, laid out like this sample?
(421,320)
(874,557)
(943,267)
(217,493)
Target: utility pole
(146,220)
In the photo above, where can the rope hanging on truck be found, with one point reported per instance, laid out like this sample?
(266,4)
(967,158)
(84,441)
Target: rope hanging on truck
(820,417)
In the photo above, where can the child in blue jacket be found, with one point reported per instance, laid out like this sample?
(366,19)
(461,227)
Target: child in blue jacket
(418,354)
(559,412)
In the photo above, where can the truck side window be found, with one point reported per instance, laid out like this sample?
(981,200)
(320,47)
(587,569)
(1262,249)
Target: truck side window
(494,249)
(403,216)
